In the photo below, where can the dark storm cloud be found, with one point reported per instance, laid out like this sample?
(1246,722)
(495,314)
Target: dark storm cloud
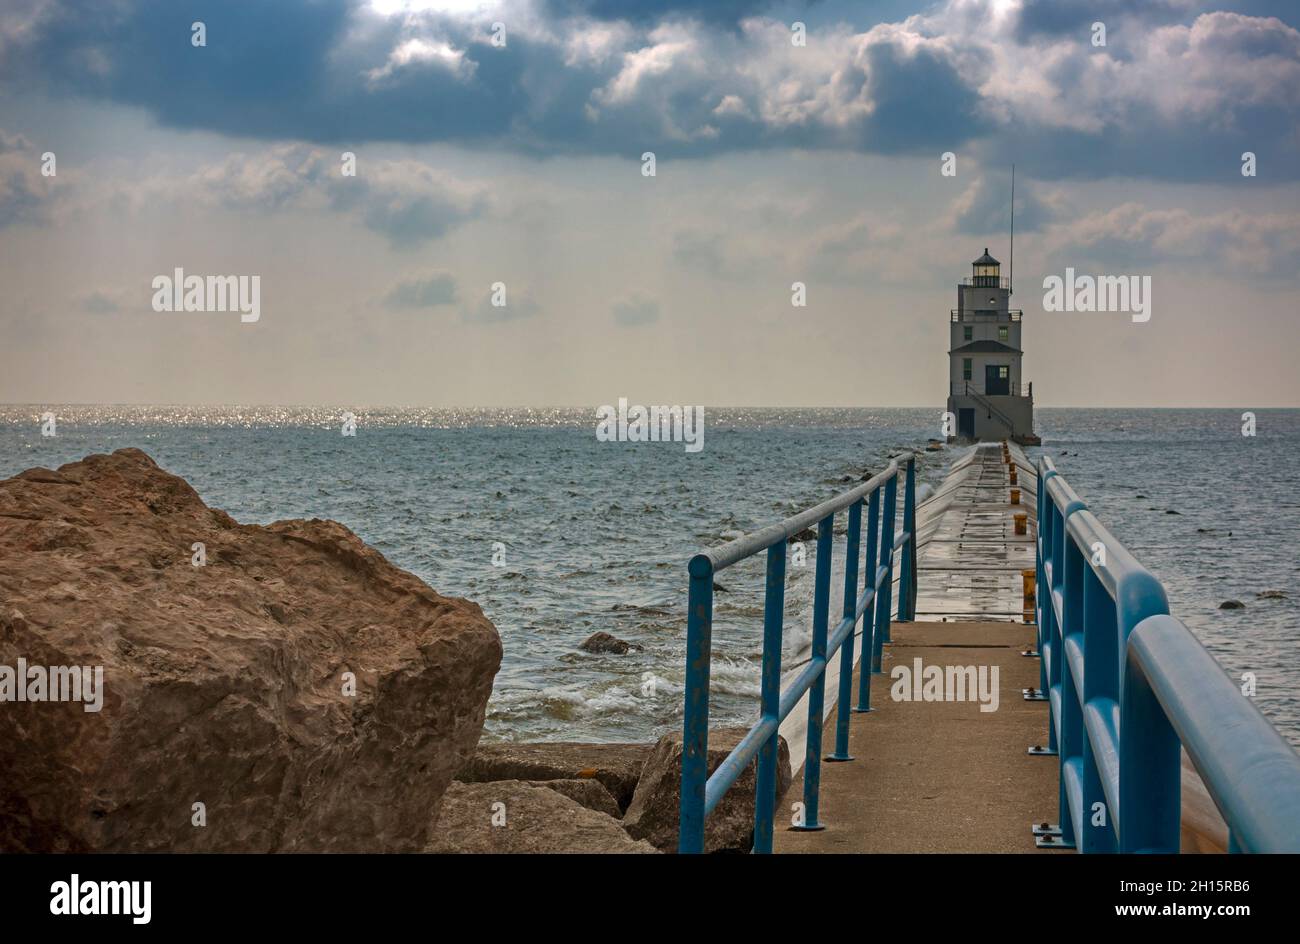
(1062,17)
(650,11)
(670,77)
(919,100)
(323,71)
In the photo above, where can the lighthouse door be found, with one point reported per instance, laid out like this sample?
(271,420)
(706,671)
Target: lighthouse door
(997,380)
(966,422)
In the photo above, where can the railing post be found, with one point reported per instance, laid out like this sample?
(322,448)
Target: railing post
(1073,735)
(885,595)
(1056,637)
(1100,690)
(1150,758)
(1039,610)
(1044,608)
(844,705)
(1150,787)
(907,583)
(812,775)
(770,697)
(695,716)
(869,616)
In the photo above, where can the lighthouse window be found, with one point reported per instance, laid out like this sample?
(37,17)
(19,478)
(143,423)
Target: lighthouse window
(967,333)
(1002,333)
(965,368)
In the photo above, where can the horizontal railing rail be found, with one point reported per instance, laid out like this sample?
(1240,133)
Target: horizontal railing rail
(871,605)
(959,387)
(1128,685)
(985,314)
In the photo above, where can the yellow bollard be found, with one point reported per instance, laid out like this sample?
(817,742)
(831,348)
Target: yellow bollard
(1014,480)
(1015,496)
(1022,522)
(1028,578)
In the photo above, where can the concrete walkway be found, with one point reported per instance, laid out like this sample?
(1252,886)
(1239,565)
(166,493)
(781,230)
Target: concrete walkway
(970,555)
(942,775)
(938,776)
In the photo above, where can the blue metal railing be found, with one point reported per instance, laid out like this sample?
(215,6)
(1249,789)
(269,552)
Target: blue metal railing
(701,793)
(1127,686)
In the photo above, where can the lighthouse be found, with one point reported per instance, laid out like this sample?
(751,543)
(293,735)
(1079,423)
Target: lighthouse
(987,393)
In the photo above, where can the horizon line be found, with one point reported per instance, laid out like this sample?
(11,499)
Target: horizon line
(587,406)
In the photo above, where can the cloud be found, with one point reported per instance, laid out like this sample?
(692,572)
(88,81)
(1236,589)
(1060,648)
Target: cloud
(1038,18)
(100,303)
(636,311)
(1173,89)
(24,192)
(985,207)
(407,202)
(718,253)
(1131,235)
(723,12)
(519,304)
(422,293)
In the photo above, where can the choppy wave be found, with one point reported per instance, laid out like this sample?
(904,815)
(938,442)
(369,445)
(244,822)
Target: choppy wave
(558,536)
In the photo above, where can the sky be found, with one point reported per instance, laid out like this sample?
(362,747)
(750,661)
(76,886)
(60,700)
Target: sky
(503,143)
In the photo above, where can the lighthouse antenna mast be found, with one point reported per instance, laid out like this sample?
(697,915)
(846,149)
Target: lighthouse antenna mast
(1011,274)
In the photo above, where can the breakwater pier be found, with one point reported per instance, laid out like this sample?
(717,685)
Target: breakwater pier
(1005,677)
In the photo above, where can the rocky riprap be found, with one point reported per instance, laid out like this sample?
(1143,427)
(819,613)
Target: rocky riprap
(655,809)
(644,779)
(227,684)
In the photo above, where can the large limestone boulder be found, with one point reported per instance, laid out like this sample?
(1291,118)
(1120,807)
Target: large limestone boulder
(505,816)
(227,685)
(617,766)
(654,812)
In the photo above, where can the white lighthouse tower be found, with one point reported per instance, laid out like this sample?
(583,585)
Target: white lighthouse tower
(987,393)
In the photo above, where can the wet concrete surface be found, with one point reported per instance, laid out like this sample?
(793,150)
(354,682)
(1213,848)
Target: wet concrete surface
(938,776)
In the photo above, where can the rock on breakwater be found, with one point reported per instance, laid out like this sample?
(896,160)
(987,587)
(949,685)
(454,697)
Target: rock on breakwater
(296,692)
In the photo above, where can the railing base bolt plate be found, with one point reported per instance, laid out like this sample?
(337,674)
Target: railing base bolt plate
(1033,694)
(1039,751)
(1052,842)
(832,759)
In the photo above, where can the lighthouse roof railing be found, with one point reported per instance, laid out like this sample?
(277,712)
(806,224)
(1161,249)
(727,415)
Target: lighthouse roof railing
(966,388)
(987,314)
(986,281)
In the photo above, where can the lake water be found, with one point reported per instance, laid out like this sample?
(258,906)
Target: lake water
(591,535)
